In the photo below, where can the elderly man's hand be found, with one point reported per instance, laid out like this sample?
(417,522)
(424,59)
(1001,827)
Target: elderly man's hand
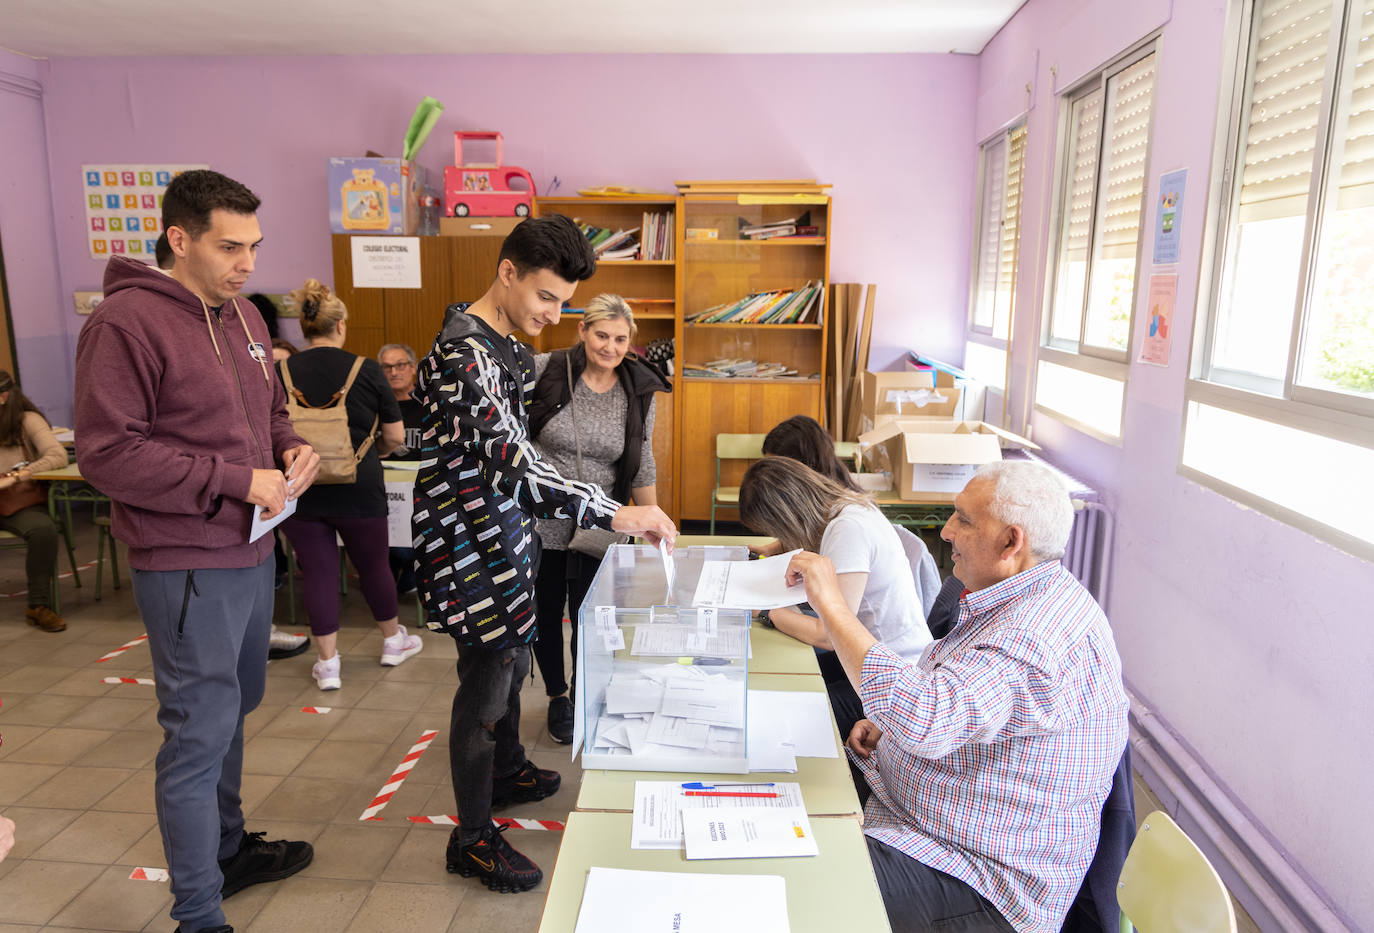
(863,738)
(818,573)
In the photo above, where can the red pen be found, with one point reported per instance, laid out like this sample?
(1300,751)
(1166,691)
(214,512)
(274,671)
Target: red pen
(725,793)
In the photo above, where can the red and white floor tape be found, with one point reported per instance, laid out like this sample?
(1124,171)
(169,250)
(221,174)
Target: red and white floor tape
(147,682)
(61,576)
(149,874)
(394,782)
(321,710)
(553,826)
(123,648)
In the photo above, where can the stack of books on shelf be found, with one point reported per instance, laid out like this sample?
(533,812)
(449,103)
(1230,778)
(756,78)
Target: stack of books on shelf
(738,369)
(656,235)
(780,306)
(800,226)
(610,244)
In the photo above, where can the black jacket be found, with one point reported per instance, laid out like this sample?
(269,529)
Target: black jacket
(639,381)
(479,483)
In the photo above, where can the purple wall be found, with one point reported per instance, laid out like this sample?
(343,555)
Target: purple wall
(1250,638)
(892,133)
(43,318)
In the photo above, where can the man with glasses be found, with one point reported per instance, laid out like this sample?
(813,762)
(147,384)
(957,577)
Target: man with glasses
(399,366)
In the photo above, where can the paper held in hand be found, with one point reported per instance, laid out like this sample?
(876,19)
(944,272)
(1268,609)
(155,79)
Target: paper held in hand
(748,584)
(262,526)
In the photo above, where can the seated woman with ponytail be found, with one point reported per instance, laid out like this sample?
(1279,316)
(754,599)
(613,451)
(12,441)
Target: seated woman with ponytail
(27,446)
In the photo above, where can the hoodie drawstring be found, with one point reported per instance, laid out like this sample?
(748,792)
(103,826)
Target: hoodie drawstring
(262,360)
(210,328)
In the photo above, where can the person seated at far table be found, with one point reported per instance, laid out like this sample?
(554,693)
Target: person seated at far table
(400,367)
(989,757)
(28,446)
(785,498)
(803,438)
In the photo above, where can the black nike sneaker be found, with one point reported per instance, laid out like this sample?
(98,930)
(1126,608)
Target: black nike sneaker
(495,862)
(527,784)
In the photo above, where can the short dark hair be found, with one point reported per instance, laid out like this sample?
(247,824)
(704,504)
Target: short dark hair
(192,195)
(552,243)
(163,252)
(803,439)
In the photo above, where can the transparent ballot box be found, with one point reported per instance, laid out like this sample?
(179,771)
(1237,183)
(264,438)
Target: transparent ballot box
(661,686)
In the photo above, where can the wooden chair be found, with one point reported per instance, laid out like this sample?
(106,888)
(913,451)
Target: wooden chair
(732,447)
(1168,886)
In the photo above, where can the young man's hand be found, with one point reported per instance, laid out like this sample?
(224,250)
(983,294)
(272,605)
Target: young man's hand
(646,521)
(269,491)
(302,466)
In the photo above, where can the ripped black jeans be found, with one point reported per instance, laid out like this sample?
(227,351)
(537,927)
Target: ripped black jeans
(488,694)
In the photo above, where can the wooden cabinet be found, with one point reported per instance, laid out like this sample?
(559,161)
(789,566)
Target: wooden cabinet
(725,269)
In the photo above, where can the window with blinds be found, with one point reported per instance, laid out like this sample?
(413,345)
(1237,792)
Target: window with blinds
(1294,298)
(1101,206)
(999,221)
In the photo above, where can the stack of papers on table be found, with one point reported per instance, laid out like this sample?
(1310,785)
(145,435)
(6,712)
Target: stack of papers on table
(748,832)
(659,806)
(619,899)
(664,709)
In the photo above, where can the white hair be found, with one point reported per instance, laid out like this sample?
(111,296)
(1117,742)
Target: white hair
(404,348)
(1031,497)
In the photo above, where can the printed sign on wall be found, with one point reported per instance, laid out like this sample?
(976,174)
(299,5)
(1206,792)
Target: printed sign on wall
(124,207)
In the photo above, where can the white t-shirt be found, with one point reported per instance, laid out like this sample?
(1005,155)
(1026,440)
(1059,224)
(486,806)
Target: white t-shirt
(861,540)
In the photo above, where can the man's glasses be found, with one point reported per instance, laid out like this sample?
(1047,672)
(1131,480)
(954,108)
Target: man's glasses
(396,367)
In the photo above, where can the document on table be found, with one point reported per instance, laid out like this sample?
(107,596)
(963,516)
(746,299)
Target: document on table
(673,640)
(659,806)
(262,526)
(621,899)
(806,714)
(747,832)
(748,584)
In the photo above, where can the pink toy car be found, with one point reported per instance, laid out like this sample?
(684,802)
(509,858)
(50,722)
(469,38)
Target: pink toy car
(484,189)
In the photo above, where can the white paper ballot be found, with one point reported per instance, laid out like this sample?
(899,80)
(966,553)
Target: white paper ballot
(669,568)
(747,832)
(748,584)
(262,526)
(621,899)
(807,716)
(659,806)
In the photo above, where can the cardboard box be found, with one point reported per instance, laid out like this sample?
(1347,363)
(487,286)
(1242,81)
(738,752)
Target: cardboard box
(477,226)
(375,196)
(886,396)
(932,460)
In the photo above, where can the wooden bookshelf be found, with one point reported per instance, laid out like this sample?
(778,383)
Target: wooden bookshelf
(650,287)
(717,271)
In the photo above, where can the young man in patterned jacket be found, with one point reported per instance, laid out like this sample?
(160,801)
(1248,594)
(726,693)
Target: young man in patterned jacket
(479,486)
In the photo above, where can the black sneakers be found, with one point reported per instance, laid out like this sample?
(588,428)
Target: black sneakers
(561,720)
(527,784)
(258,860)
(223,929)
(494,861)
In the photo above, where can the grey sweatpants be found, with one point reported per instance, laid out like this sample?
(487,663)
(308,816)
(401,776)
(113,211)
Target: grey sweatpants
(208,633)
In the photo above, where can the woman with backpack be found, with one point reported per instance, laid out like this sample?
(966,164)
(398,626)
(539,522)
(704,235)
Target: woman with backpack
(337,400)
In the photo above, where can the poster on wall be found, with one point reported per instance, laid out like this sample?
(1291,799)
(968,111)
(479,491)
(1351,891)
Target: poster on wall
(1169,216)
(124,207)
(1159,329)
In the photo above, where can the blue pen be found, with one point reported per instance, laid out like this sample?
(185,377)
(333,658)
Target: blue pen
(699,785)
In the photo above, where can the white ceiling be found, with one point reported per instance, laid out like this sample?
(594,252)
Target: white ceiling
(83,28)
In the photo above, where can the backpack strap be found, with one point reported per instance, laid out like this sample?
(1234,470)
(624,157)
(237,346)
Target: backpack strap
(336,398)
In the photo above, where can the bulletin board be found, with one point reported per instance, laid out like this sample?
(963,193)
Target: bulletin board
(124,207)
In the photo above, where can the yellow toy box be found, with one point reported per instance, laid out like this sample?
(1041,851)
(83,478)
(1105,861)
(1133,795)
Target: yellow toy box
(374,195)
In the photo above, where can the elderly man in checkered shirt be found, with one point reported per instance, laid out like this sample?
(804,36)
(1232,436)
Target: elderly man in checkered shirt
(989,759)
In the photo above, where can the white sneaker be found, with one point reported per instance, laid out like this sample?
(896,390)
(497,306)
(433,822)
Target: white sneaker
(400,646)
(285,645)
(326,673)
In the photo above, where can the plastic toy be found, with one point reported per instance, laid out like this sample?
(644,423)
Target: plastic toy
(483,189)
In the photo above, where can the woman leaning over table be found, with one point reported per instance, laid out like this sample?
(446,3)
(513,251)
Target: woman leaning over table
(27,446)
(610,414)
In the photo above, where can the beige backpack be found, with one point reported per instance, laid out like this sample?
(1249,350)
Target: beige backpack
(326,429)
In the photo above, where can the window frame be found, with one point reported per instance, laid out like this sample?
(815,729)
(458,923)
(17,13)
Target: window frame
(1289,403)
(1301,408)
(1083,355)
(976,332)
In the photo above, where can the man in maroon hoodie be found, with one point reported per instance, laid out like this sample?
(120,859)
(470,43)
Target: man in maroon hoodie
(183,425)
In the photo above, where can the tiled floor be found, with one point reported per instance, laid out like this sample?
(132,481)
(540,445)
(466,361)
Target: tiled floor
(76,776)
